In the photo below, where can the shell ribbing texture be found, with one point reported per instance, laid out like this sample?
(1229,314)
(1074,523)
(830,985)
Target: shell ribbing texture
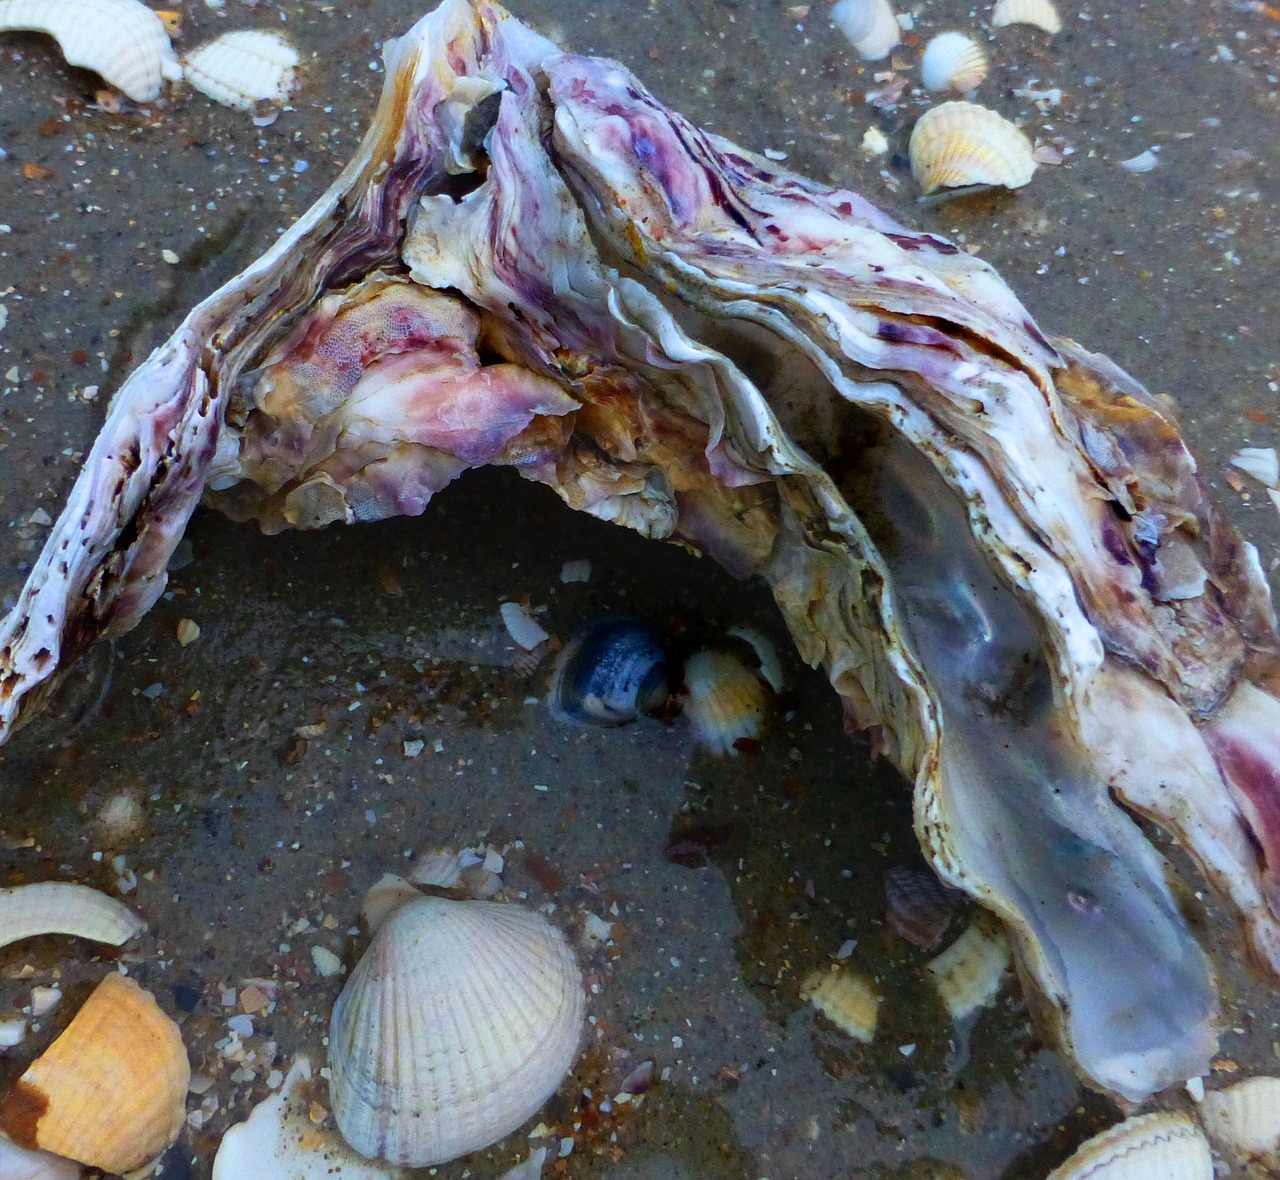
(243,68)
(460,1021)
(953,61)
(122,40)
(870,26)
(1244,1119)
(1040,13)
(960,143)
(1149,1147)
(60,907)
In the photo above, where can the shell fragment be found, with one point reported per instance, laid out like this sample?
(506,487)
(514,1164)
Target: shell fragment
(246,69)
(59,907)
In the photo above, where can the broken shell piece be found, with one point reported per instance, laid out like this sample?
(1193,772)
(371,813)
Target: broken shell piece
(1142,162)
(522,626)
(874,142)
(441,868)
(960,143)
(1168,1146)
(1260,462)
(111,1090)
(870,25)
(968,973)
(1244,1120)
(848,1000)
(726,702)
(17,1163)
(59,907)
(767,659)
(386,894)
(459,1022)
(121,40)
(1040,13)
(953,61)
(243,69)
(280,1140)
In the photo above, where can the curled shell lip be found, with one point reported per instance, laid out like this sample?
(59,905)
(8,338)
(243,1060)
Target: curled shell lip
(121,40)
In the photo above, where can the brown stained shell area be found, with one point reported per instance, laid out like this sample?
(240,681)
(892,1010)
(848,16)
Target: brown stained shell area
(20,1113)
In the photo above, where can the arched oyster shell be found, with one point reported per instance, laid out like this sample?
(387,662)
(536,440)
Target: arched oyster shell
(1001,548)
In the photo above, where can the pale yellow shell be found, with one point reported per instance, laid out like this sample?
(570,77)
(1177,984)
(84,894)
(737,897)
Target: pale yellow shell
(59,907)
(726,702)
(953,61)
(243,69)
(460,1021)
(847,999)
(1159,1146)
(121,40)
(961,143)
(968,973)
(1040,13)
(111,1090)
(1244,1119)
(870,25)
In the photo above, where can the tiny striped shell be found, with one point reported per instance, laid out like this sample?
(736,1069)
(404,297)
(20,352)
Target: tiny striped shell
(121,40)
(1163,1145)
(870,25)
(961,143)
(969,972)
(59,907)
(917,906)
(1244,1119)
(243,69)
(846,999)
(953,61)
(726,701)
(1040,13)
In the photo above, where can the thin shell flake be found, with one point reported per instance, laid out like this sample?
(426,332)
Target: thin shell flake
(59,907)
(243,69)
(846,999)
(953,61)
(960,143)
(121,40)
(1167,1146)
(1040,13)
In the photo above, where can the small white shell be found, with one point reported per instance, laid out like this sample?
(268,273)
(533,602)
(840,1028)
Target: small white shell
(1244,1119)
(243,69)
(457,1025)
(279,1140)
(961,143)
(122,40)
(59,907)
(1163,1145)
(522,626)
(1040,13)
(953,61)
(870,25)
(1142,162)
(726,701)
(847,999)
(1260,462)
(968,973)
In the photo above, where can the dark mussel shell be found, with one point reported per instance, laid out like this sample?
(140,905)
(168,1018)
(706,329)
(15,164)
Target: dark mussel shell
(613,671)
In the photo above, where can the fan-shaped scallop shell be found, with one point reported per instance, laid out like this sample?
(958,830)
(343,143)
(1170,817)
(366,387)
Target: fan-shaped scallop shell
(1040,13)
(953,61)
(457,1025)
(243,68)
(121,40)
(1168,1146)
(1244,1119)
(726,702)
(111,1090)
(961,143)
(870,25)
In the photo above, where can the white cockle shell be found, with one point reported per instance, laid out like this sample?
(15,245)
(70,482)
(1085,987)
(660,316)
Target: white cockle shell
(122,40)
(1164,1145)
(870,25)
(1244,1120)
(961,143)
(953,61)
(726,702)
(457,1025)
(243,68)
(1040,13)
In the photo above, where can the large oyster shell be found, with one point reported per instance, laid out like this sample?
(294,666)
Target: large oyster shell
(994,541)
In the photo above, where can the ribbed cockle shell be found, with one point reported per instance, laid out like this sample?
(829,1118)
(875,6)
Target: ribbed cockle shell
(457,1025)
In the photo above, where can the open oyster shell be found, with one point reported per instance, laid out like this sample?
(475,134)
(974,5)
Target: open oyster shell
(995,542)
